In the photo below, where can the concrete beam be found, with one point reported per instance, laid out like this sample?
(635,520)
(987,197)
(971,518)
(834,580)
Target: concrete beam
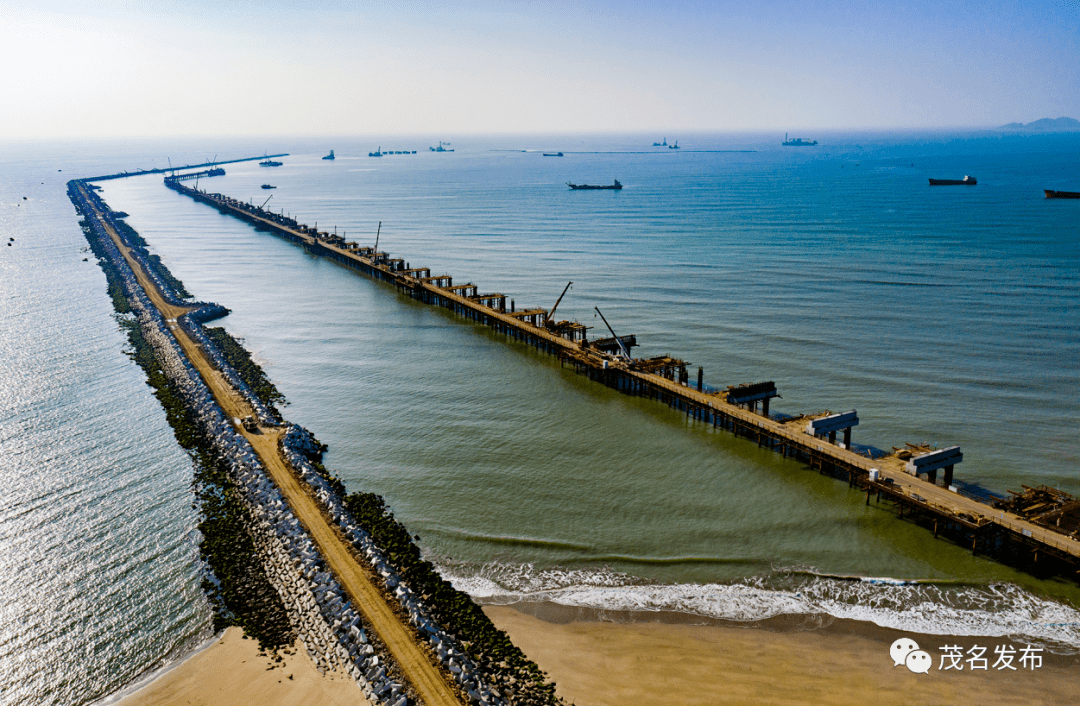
(832,423)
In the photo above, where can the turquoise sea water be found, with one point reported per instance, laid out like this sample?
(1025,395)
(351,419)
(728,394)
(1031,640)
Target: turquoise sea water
(945,315)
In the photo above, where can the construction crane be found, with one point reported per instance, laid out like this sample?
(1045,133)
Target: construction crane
(626,353)
(551,314)
(266,201)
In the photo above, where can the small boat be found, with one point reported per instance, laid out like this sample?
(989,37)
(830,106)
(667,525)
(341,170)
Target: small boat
(376,153)
(440,148)
(674,146)
(797,142)
(1051,194)
(269,162)
(268,186)
(215,171)
(588,187)
(966,181)
(660,144)
(330,156)
(553,154)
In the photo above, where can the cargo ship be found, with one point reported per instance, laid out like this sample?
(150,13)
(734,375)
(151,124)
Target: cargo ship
(1051,194)
(797,142)
(588,187)
(966,181)
(270,163)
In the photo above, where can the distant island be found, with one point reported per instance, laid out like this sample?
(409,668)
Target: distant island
(1046,125)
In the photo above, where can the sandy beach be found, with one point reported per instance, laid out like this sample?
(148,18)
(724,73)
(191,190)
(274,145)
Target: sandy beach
(619,659)
(596,663)
(231,672)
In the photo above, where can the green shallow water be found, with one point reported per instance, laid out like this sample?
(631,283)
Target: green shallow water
(870,292)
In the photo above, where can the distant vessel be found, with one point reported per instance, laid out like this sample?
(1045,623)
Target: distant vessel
(1050,194)
(269,163)
(330,156)
(268,186)
(797,142)
(587,187)
(441,147)
(966,181)
(553,154)
(376,153)
(215,171)
(674,146)
(660,144)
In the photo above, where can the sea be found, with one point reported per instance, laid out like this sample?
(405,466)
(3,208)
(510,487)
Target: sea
(943,315)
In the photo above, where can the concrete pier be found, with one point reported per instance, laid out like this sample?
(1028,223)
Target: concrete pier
(907,477)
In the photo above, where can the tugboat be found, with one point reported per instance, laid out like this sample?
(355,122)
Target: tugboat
(966,181)
(1051,194)
(797,142)
(587,187)
(330,156)
(268,186)
(440,148)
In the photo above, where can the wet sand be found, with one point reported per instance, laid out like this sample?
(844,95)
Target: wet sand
(231,671)
(595,661)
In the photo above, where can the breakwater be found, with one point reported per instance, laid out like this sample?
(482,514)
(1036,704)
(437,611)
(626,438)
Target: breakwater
(317,608)
(923,484)
(171,169)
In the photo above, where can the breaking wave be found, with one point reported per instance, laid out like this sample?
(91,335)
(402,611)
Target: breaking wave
(926,606)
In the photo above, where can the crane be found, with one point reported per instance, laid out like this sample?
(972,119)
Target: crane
(551,314)
(626,353)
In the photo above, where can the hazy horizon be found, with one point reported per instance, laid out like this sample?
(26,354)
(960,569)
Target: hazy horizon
(152,69)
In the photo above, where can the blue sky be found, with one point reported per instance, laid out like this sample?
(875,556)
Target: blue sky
(113,68)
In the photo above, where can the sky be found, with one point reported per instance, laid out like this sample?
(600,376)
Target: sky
(115,68)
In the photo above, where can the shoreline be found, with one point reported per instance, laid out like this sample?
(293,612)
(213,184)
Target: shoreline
(149,677)
(229,669)
(784,624)
(601,658)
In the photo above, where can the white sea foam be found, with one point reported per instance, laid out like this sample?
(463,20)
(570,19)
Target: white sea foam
(995,610)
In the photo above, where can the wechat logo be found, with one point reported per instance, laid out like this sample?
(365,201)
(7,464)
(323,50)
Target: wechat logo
(906,651)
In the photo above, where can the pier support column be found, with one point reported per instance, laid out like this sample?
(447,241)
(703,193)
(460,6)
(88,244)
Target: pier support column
(700,377)
(948,476)
(931,477)
(847,438)
(764,407)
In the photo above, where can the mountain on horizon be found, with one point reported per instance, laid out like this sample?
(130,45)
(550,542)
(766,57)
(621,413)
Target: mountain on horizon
(1046,125)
